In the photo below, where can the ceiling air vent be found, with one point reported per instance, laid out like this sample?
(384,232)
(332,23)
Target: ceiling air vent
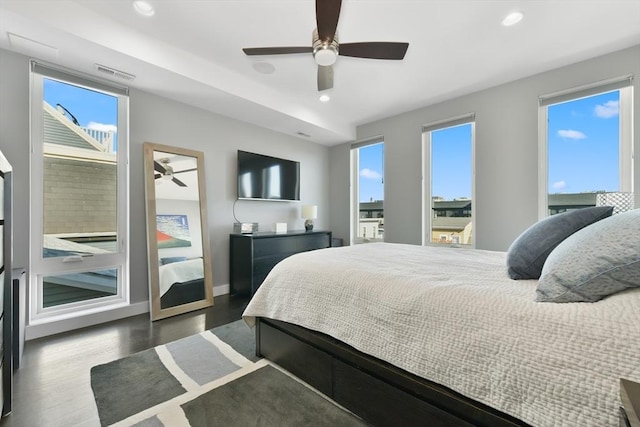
(114,73)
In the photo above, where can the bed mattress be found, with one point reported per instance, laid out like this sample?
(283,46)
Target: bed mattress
(453,316)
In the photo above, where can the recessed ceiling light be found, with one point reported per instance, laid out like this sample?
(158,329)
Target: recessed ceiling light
(512,19)
(143,8)
(325,98)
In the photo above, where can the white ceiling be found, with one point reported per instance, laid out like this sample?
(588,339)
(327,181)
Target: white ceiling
(190,51)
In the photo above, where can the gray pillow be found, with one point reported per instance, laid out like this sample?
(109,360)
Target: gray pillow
(597,261)
(528,252)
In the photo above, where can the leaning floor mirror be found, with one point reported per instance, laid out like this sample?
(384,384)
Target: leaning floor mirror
(179,259)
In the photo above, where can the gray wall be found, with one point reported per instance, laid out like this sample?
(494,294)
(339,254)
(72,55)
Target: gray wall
(506,181)
(160,120)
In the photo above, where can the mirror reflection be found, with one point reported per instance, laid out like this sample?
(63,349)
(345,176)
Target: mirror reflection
(179,262)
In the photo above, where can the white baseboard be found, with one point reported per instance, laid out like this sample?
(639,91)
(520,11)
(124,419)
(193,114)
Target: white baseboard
(220,290)
(45,329)
(50,328)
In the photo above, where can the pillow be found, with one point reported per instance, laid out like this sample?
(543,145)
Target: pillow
(597,261)
(528,252)
(169,260)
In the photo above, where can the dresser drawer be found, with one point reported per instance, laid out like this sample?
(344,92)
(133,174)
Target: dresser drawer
(315,241)
(274,246)
(252,256)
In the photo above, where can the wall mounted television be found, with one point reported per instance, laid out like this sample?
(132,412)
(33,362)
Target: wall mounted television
(262,177)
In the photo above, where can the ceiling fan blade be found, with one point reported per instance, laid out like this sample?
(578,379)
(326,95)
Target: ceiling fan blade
(374,50)
(158,175)
(186,170)
(327,15)
(325,77)
(158,167)
(177,181)
(276,50)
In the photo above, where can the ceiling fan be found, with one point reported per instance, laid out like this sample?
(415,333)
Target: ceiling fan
(166,172)
(325,47)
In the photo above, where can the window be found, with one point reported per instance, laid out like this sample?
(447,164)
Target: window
(368,191)
(586,148)
(448,162)
(79,194)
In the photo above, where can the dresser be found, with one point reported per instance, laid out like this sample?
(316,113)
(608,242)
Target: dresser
(252,256)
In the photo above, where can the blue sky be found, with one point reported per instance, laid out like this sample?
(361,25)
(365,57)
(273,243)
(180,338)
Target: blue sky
(584,145)
(451,162)
(371,173)
(92,109)
(583,152)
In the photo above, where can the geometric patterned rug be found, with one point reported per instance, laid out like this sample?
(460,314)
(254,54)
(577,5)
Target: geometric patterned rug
(201,380)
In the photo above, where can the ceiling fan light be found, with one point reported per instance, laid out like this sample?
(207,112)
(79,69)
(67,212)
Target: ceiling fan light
(326,56)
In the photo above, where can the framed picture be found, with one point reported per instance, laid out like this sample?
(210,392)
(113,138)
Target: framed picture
(173,231)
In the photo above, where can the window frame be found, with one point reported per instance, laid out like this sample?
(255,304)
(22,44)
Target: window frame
(119,260)
(427,177)
(624,85)
(355,185)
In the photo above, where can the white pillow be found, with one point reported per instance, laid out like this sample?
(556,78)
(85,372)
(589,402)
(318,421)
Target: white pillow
(597,261)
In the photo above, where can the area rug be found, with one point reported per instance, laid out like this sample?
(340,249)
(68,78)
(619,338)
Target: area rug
(208,379)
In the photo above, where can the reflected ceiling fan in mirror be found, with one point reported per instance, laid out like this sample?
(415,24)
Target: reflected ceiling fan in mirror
(166,173)
(325,47)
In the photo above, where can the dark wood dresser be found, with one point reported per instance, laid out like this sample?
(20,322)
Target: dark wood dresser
(252,256)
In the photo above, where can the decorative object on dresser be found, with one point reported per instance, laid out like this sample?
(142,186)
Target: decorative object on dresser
(245,227)
(309,213)
(279,227)
(252,256)
(630,409)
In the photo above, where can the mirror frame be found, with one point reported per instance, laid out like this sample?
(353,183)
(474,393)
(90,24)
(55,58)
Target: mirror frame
(152,239)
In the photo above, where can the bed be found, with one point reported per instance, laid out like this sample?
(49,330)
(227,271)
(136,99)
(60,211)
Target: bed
(406,335)
(181,282)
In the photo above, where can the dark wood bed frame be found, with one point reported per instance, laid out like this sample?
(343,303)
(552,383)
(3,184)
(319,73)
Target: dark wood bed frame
(183,293)
(380,393)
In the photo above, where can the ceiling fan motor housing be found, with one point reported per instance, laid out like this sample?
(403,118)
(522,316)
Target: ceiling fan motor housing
(325,53)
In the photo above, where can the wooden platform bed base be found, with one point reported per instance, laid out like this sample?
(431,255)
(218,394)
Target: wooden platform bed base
(378,392)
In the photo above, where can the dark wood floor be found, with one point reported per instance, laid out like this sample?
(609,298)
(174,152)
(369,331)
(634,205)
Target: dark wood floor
(52,386)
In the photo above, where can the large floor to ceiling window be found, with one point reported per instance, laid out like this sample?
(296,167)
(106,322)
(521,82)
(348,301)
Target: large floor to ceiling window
(587,148)
(368,191)
(449,194)
(79,194)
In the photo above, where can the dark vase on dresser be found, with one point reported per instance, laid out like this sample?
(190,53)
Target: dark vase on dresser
(6,286)
(252,256)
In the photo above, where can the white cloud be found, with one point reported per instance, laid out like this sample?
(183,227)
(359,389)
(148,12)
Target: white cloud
(571,134)
(370,174)
(607,110)
(103,127)
(559,185)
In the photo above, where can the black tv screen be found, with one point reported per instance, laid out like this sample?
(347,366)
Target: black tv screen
(267,178)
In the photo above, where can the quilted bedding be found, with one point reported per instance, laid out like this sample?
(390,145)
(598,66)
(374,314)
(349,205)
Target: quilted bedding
(454,317)
(179,272)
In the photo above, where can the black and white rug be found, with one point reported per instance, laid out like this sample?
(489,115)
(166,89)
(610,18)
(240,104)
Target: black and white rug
(203,381)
